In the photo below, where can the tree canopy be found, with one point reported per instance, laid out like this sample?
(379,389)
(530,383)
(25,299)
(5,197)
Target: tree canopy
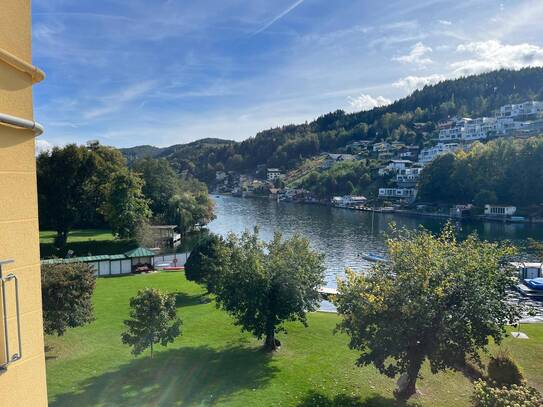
(262,285)
(66,296)
(435,299)
(153,320)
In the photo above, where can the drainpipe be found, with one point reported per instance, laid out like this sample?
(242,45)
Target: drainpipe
(35,73)
(21,123)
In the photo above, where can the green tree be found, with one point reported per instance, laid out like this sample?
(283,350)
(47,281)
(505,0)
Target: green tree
(435,299)
(153,320)
(66,296)
(204,263)
(63,175)
(125,208)
(263,285)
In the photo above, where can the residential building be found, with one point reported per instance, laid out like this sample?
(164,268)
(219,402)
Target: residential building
(393,166)
(499,210)
(273,174)
(429,154)
(398,193)
(165,235)
(408,177)
(459,211)
(22,360)
(529,108)
(528,270)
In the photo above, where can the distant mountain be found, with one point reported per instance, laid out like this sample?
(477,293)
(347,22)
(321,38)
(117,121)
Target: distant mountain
(412,120)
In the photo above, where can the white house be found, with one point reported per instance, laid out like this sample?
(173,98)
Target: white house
(498,210)
(522,109)
(399,193)
(274,173)
(395,166)
(408,176)
(429,154)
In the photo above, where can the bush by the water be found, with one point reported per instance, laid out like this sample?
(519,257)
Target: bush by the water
(503,370)
(488,394)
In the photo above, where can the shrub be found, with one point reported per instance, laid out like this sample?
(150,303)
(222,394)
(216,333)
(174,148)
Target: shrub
(487,394)
(503,370)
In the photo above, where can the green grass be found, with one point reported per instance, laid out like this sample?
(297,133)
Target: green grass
(84,242)
(213,363)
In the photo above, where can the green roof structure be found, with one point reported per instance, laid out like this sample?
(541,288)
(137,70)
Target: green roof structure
(139,252)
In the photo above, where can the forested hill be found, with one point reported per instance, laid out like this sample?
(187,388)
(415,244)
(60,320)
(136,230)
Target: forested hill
(411,120)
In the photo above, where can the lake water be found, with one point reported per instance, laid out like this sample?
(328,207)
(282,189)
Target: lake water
(344,236)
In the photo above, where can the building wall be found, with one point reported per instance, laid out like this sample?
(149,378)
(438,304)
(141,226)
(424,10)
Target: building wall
(23,383)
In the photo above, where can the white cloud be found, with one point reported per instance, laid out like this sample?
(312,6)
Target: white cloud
(42,146)
(491,55)
(444,22)
(417,55)
(116,101)
(367,102)
(410,83)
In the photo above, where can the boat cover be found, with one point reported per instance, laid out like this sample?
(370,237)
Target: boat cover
(534,283)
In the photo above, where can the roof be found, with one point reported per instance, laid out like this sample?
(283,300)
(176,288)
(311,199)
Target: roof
(139,252)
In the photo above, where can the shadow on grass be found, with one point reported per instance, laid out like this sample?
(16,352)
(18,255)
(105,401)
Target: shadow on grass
(316,399)
(177,377)
(187,300)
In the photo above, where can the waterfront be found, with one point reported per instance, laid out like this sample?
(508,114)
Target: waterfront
(344,236)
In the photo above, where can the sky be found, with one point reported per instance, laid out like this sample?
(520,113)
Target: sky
(164,72)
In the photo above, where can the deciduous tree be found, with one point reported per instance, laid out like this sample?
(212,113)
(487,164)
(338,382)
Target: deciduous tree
(436,299)
(66,296)
(153,320)
(263,285)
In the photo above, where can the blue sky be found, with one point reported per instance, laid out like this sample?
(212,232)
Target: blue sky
(163,72)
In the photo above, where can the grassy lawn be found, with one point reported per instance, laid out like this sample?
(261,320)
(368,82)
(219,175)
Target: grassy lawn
(213,363)
(84,242)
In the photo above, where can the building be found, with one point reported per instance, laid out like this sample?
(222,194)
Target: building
(348,201)
(165,235)
(111,265)
(22,360)
(398,193)
(429,154)
(273,174)
(394,166)
(408,177)
(521,110)
(498,210)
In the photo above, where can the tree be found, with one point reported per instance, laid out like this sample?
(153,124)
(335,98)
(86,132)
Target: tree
(204,263)
(63,175)
(263,285)
(436,299)
(66,296)
(125,208)
(153,320)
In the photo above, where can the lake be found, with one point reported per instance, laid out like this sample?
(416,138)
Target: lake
(343,235)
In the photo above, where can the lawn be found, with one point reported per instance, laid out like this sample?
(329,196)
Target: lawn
(213,363)
(84,242)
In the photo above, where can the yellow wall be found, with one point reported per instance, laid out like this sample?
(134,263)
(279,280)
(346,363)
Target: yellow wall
(23,383)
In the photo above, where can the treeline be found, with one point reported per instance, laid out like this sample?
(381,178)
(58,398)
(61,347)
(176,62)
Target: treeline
(92,187)
(505,171)
(411,120)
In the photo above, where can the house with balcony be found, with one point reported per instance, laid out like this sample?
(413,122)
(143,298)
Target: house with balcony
(408,177)
(406,194)
(500,210)
(429,154)
(273,173)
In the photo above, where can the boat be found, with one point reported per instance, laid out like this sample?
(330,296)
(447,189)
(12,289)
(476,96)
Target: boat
(374,257)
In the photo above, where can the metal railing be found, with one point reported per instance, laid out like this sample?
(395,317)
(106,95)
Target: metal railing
(10,358)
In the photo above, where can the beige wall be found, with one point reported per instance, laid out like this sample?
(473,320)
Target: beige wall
(23,383)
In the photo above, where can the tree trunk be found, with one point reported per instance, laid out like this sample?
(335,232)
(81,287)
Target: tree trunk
(407,383)
(62,239)
(151,350)
(271,344)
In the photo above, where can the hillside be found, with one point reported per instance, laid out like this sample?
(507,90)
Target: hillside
(411,120)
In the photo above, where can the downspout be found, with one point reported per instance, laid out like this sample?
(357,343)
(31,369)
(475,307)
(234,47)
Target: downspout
(21,123)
